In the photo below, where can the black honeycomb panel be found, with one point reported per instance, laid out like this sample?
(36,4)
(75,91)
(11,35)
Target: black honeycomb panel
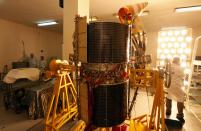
(109,108)
(107,42)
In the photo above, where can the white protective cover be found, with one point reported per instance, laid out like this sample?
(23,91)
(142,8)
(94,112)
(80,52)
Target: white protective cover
(28,73)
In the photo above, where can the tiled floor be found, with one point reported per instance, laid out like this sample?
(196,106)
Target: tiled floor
(192,115)
(9,121)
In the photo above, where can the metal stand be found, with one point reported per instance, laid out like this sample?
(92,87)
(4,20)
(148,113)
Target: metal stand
(158,113)
(63,87)
(156,121)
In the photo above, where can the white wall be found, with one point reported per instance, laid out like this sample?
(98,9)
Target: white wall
(196,33)
(151,47)
(35,39)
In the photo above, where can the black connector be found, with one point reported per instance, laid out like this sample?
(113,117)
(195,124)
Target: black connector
(61,3)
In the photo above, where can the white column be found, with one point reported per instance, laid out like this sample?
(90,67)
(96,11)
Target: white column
(71,8)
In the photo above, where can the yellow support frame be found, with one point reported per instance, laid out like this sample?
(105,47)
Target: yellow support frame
(155,121)
(63,87)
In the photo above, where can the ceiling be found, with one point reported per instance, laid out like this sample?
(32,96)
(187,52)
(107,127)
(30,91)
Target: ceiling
(29,12)
(162,14)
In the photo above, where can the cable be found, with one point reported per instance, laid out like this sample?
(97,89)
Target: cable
(148,99)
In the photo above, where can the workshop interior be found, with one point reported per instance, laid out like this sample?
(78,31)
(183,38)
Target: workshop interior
(94,65)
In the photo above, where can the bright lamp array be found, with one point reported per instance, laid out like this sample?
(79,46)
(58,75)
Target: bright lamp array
(174,42)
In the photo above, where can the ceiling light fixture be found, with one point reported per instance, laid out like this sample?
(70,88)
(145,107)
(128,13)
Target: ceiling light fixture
(47,23)
(188,9)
